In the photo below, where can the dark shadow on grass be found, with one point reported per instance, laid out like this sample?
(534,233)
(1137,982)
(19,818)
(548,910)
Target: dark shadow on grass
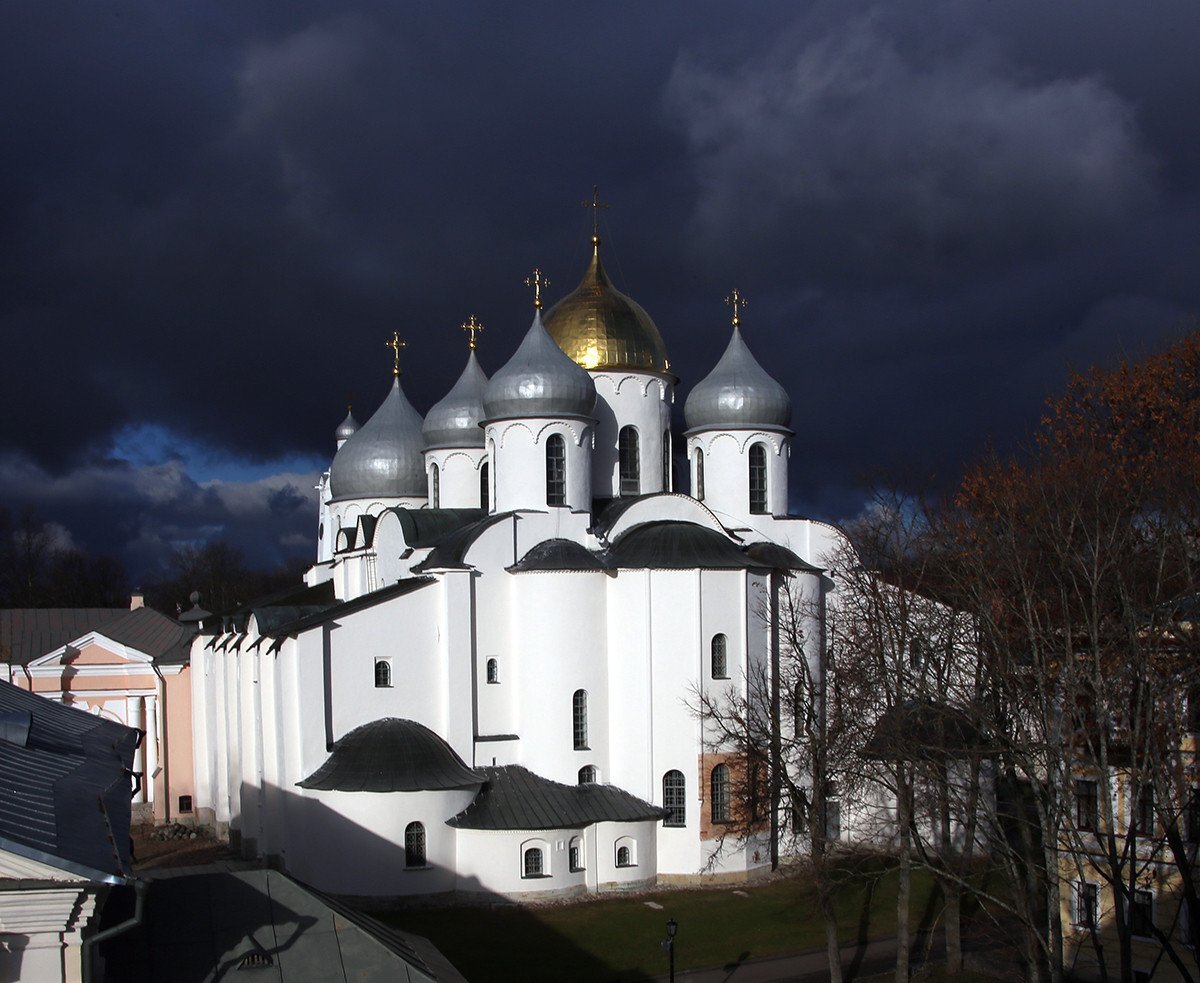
(864,930)
(734,966)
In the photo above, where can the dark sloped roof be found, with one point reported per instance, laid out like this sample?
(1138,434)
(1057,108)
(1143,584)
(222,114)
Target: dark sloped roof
(923,730)
(321,615)
(449,552)
(27,633)
(559,554)
(515,798)
(778,557)
(65,776)
(164,639)
(289,605)
(391,755)
(677,546)
(424,527)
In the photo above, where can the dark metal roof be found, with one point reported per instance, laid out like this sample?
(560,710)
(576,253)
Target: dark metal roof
(449,552)
(677,546)
(923,730)
(392,755)
(559,554)
(27,633)
(322,615)
(202,926)
(424,527)
(164,639)
(778,558)
(290,605)
(515,798)
(66,784)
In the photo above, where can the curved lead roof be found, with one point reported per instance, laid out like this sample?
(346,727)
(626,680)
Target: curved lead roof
(539,381)
(737,394)
(454,420)
(347,427)
(385,456)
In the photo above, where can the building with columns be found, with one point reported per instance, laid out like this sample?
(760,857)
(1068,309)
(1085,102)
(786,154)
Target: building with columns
(488,683)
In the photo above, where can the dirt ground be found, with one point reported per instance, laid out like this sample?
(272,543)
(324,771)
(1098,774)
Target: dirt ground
(150,852)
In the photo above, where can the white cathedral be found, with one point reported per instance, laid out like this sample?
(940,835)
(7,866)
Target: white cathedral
(487,684)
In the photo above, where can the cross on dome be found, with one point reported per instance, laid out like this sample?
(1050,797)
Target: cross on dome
(738,303)
(472,327)
(395,345)
(537,281)
(595,205)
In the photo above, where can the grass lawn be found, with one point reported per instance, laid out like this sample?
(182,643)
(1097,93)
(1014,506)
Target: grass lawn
(618,938)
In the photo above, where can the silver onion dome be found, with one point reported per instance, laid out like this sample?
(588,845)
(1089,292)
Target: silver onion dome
(539,380)
(347,427)
(385,456)
(454,420)
(737,394)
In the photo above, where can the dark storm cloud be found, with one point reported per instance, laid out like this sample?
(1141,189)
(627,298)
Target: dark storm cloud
(211,217)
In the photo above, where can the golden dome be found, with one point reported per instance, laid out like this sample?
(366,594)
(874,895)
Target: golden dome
(600,328)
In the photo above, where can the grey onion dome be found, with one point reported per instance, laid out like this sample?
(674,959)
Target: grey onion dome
(539,380)
(454,420)
(385,456)
(737,394)
(347,427)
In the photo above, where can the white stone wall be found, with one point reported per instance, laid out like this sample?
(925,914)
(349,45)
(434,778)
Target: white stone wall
(641,400)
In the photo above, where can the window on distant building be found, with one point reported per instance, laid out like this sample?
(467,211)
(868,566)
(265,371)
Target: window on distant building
(719,797)
(1144,815)
(493,671)
(435,487)
(720,665)
(414,845)
(579,720)
(533,866)
(1141,914)
(575,855)
(556,470)
(485,496)
(383,673)
(1087,905)
(675,799)
(1192,817)
(628,464)
(1087,805)
(758,478)
(698,491)
(587,775)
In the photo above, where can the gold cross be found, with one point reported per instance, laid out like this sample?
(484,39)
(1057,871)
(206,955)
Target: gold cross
(738,303)
(472,327)
(395,345)
(537,281)
(595,205)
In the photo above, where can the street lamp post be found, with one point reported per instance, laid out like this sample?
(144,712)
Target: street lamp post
(672,928)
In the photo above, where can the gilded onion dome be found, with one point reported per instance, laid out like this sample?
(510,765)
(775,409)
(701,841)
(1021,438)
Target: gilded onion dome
(385,456)
(539,380)
(600,328)
(454,420)
(347,427)
(737,394)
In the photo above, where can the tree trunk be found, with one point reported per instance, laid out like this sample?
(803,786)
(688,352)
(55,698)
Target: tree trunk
(904,887)
(954,956)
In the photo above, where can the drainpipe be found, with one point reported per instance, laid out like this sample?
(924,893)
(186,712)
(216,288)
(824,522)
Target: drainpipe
(140,888)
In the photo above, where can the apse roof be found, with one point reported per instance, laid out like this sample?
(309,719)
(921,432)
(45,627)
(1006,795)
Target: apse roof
(65,774)
(677,546)
(451,549)
(515,798)
(392,755)
(778,557)
(424,527)
(559,555)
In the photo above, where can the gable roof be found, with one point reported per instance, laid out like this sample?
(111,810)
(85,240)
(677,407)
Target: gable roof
(27,633)
(66,779)
(515,798)
(164,639)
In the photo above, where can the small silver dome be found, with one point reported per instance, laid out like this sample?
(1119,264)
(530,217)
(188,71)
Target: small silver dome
(347,427)
(539,380)
(737,394)
(385,457)
(454,420)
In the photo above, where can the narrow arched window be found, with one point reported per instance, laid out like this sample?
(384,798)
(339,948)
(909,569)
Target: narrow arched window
(719,799)
(699,489)
(533,862)
(556,470)
(674,799)
(666,460)
(587,775)
(720,662)
(493,671)
(575,854)
(627,461)
(579,719)
(485,496)
(758,478)
(624,858)
(383,674)
(414,845)
(435,487)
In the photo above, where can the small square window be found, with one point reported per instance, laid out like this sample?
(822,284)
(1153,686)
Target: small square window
(185,803)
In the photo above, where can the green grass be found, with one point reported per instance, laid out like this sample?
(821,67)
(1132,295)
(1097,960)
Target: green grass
(618,938)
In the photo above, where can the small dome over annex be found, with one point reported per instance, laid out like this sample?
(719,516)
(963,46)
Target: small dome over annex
(539,381)
(601,328)
(453,421)
(346,429)
(737,394)
(385,456)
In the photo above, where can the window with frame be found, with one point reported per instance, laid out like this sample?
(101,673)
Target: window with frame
(485,488)
(1087,805)
(575,855)
(383,674)
(1143,814)
(587,775)
(624,857)
(758,479)
(185,803)
(435,487)
(719,663)
(532,865)
(493,671)
(556,470)
(719,794)
(414,845)
(675,798)
(699,489)
(628,465)
(1141,914)
(1086,912)
(579,726)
